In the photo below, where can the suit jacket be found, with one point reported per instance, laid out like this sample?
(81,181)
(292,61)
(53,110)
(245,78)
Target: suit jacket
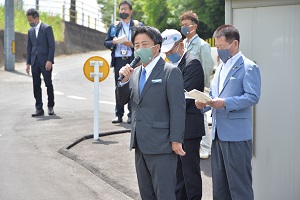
(112,32)
(241,91)
(201,50)
(158,115)
(193,78)
(42,47)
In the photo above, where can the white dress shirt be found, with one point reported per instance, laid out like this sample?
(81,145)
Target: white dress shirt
(37,28)
(148,69)
(150,66)
(225,68)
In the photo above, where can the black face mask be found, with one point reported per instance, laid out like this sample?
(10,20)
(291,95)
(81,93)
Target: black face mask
(124,15)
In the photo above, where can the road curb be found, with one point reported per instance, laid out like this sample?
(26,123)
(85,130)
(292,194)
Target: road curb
(93,168)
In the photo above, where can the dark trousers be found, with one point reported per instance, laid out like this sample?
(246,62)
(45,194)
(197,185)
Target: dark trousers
(189,181)
(119,109)
(156,174)
(37,69)
(231,170)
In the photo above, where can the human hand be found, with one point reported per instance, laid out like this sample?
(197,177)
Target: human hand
(199,104)
(177,148)
(217,103)
(127,72)
(113,40)
(127,43)
(48,65)
(28,69)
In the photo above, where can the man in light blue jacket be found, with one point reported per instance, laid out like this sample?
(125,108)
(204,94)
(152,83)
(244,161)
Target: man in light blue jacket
(235,89)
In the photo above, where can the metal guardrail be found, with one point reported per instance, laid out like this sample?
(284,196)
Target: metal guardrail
(211,42)
(87,13)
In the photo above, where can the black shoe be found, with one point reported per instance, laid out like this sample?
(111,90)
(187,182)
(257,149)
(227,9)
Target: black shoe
(129,120)
(117,120)
(38,113)
(50,111)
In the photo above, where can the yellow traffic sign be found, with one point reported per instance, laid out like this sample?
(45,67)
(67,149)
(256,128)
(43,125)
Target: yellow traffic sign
(88,68)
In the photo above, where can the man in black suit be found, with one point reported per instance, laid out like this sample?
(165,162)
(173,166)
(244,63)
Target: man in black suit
(121,54)
(40,56)
(189,182)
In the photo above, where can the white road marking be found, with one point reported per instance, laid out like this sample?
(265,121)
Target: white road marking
(58,93)
(107,102)
(76,97)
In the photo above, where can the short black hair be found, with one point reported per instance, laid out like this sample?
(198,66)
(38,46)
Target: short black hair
(32,12)
(230,33)
(152,32)
(126,2)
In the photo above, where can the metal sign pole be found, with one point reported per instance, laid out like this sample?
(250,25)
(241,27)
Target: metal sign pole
(96,75)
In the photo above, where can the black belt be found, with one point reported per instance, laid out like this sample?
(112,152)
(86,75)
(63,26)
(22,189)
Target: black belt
(124,57)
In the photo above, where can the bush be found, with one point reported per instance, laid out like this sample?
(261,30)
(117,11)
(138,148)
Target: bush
(22,25)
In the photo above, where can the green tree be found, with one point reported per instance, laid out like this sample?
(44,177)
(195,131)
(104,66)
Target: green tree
(107,10)
(211,13)
(155,13)
(164,14)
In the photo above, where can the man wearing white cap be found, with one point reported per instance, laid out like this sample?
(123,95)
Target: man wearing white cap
(201,49)
(189,182)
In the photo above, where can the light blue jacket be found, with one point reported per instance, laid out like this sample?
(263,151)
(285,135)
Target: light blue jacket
(201,50)
(241,91)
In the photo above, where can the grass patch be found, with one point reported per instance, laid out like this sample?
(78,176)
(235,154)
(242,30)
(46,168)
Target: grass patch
(22,25)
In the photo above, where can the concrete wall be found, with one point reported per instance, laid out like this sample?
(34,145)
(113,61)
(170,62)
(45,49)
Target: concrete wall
(269,32)
(77,39)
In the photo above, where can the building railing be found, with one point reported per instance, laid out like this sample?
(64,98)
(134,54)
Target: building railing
(211,42)
(85,14)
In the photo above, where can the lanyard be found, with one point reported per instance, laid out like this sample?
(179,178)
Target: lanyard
(125,31)
(191,42)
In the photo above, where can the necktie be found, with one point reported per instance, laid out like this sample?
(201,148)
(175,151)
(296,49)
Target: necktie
(142,81)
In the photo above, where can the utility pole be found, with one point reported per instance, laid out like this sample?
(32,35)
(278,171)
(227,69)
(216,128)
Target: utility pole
(9,36)
(37,7)
(115,11)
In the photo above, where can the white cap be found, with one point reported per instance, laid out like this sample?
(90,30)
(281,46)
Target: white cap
(170,36)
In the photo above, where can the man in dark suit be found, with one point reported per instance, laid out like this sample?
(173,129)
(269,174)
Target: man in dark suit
(121,53)
(40,56)
(155,91)
(189,182)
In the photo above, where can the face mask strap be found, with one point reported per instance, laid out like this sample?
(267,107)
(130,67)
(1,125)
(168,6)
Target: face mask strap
(177,48)
(156,52)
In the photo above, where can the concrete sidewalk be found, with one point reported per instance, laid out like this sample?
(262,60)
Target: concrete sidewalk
(70,133)
(110,159)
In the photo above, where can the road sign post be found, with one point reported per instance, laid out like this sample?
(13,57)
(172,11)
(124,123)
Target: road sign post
(96,69)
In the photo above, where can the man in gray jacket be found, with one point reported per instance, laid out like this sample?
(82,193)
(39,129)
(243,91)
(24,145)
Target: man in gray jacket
(155,91)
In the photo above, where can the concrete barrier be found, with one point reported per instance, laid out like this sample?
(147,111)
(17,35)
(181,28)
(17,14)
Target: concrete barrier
(77,39)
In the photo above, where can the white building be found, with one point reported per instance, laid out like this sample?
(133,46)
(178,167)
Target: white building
(270,35)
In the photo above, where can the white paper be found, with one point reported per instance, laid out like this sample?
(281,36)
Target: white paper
(196,94)
(121,39)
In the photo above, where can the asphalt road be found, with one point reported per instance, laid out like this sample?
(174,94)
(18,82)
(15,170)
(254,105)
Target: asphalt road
(35,161)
